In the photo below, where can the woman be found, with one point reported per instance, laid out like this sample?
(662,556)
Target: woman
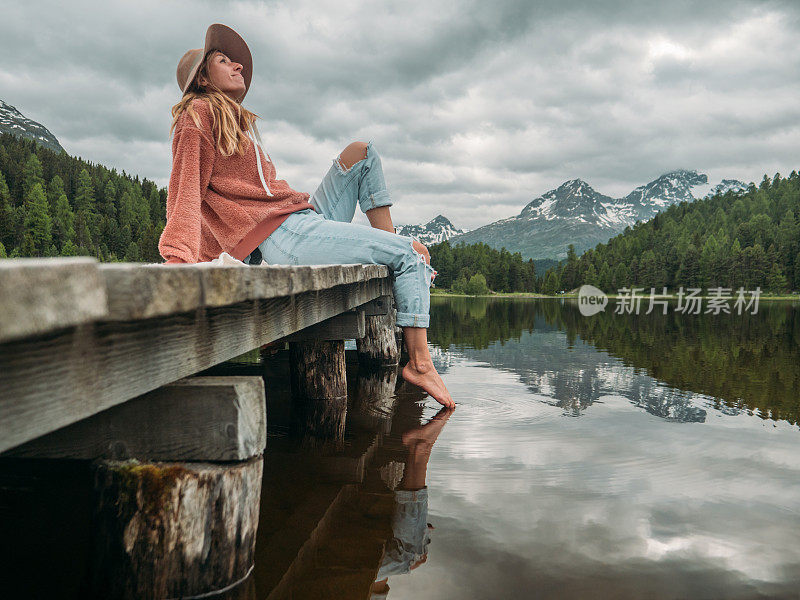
(223,196)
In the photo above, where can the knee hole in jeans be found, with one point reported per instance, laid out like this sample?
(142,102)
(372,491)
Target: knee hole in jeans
(344,170)
(428,268)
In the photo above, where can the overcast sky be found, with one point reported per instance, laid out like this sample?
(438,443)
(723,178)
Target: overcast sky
(475,107)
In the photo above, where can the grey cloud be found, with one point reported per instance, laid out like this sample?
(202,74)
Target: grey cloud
(474,104)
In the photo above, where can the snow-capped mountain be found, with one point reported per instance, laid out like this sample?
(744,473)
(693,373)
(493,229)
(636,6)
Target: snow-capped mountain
(674,187)
(12,121)
(576,213)
(727,185)
(434,231)
(574,201)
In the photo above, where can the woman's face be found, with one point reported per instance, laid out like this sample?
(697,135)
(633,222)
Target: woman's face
(225,74)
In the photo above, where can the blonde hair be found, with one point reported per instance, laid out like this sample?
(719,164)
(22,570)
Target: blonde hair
(230,120)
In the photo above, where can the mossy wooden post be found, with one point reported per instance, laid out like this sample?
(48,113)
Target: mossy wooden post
(379,345)
(169,529)
(173,530)
(319,387)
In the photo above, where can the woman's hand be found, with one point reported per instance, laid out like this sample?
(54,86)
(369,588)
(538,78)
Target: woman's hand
(419,247)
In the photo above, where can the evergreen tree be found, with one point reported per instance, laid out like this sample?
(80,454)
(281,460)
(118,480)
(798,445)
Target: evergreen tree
(501,269)
(796,285)
(551,282)
(83,237)
(7,215)
(689,273)
(735,271)
(132,253)
(109,200)
(622,277)
(31,175)
(460,284)
(605,280)
(141,214)
(155,204)
(63,222)
(84,198)
(569,275)
(591,276)
(776,281)
(708,258)
(55,189)
(69,249)
(755,267)
(87,212)
(28,247)
(37,221)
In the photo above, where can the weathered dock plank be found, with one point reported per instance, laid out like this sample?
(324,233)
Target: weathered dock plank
(346,326)
(379,306)
(65,374)
(192,419)
(38,295)
(142,291)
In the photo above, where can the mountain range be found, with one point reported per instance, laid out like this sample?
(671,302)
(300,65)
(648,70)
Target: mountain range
(576,213)
(12,121)
(434,231)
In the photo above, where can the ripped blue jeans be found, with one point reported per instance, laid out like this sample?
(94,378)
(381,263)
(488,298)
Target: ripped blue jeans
(328,236)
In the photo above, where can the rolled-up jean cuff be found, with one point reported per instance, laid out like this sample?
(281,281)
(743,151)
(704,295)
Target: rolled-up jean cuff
(413,320)
(411,495)
(376,199)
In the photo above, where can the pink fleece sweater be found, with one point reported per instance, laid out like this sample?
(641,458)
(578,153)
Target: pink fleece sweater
(217,204)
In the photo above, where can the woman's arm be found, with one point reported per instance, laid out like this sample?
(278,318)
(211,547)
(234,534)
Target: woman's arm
(192,163)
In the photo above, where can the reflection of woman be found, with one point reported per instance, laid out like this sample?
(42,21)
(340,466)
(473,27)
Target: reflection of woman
(408,548)
(224,196)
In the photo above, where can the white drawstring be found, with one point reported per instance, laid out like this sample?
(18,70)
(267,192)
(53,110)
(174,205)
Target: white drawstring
(258,162)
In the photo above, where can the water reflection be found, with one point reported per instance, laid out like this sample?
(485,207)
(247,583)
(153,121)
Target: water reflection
(729,362)
(655,490)
(338,522)
(408,547)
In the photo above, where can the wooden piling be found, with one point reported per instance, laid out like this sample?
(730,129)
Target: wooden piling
(401,346)
(378,347)
(319,387)
(171,530)
(162,528)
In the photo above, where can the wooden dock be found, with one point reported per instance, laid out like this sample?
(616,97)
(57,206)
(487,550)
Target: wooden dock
(100,361)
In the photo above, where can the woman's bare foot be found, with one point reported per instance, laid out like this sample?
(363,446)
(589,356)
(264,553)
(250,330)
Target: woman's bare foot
(424,375)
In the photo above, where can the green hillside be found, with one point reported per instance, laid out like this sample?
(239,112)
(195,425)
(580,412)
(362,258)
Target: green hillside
(731,240)
(53,204)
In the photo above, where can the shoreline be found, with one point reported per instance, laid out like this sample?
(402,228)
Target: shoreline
(761,297)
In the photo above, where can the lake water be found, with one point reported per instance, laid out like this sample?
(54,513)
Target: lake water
(612,456)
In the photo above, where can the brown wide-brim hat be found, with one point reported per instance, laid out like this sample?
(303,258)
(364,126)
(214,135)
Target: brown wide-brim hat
(226,40)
